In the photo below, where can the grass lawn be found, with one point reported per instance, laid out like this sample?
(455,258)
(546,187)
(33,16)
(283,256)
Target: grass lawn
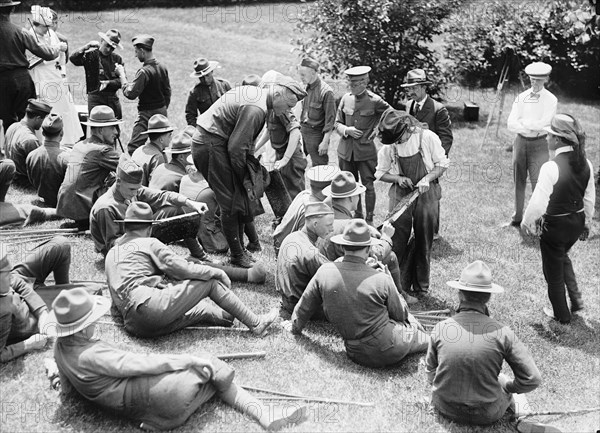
(478,198)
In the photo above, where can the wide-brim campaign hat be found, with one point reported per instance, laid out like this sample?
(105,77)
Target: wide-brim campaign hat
(102,115)
(344,185)
(415,77)
(112,38)
(564,126)
(357,233)
(74,310)
(203,67)
(7,3)
(476,277)
(138,212)
(158,124)
(180,143)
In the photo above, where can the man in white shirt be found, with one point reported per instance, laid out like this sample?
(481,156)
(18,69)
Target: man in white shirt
(532,111)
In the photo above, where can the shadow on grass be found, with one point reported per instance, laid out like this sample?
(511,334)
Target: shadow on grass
(581,334)
(442,248)
(12,370)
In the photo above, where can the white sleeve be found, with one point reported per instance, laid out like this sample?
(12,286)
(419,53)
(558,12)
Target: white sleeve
(541,195)
(384,161)
(589,198)
(514,122)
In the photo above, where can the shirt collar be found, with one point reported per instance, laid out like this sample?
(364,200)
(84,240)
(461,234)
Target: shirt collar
(563,149)
(150,62)
(473,306)
(51,143)
(312,237)
(422,101)
(314,84)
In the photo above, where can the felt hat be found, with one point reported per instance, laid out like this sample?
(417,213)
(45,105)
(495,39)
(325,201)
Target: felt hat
(35,105)
(7,3)
(358,72)
(316,209)
(52,124)
(74,310)
(158,124)
(203,67)
(112,38)
(392,125)
(144,41)
(102,115)
(356,233)
(128,171)
(415,77)
(476,277)
(251,80)
(310,63)
(322,175)
(41,15)
(138,212)
(538,70)
(564,126)
(344,185)
(180,143)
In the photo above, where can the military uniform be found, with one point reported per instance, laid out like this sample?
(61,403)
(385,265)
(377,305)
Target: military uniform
(151,84)
(359,156)
(108,95)
(167,177)
(148,157)
(20,141)
(293,219)
(46,167)
(279,128)
(16,85)
(317,118)
(297,262)
(7,174)
(112,206)
(90,164)
(201,97)
(366,309)
(151,306)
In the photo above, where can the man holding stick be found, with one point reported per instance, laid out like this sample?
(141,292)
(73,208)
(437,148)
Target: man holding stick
(136,268)
(362,303)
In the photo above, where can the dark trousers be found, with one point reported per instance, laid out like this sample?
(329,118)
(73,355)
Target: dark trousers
(141,125)
(558,236)
(528,157)
(178,305)
(51,256)
(293,172)
(16,87)
(7,173)
(422,217)
(366,170)
(311,139)
(110,99)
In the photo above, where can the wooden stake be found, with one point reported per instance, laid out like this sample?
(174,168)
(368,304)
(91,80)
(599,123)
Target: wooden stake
(243,355)
(286,396)
(563,412)
(431,312)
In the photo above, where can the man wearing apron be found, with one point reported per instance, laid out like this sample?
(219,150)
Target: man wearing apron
(414,159)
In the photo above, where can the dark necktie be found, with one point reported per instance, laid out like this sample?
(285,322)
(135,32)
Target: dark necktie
(416,109)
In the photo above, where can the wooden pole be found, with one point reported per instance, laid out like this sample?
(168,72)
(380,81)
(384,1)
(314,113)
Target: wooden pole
(431,312)
(287,396)
(562,412)
(243,355)
(188,328)
(26,231)
(27,240)
(426,317)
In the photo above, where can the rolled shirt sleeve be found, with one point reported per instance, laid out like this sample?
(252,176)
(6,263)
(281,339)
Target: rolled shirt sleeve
(385,162)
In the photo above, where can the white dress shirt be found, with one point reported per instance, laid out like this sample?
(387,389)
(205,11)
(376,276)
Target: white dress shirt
(545,186)
(530,114)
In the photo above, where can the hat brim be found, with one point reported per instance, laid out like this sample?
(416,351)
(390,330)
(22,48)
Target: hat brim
(495,288)
(415,84)
(109,42)
(2,5)
(101,124)
(360,188)
(54,329)
(176,151)
(549,130)
(339,239)
(158,131)
(212,65)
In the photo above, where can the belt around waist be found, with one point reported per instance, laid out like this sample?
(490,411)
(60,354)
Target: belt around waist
(539,137)
(312,127)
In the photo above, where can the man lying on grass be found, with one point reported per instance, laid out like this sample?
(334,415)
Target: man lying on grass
(362,303)
(159,391)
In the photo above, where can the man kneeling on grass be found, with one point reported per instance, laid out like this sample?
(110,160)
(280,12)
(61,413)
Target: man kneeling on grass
(362,303)
(158,292)
(159,391)
(466,353)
